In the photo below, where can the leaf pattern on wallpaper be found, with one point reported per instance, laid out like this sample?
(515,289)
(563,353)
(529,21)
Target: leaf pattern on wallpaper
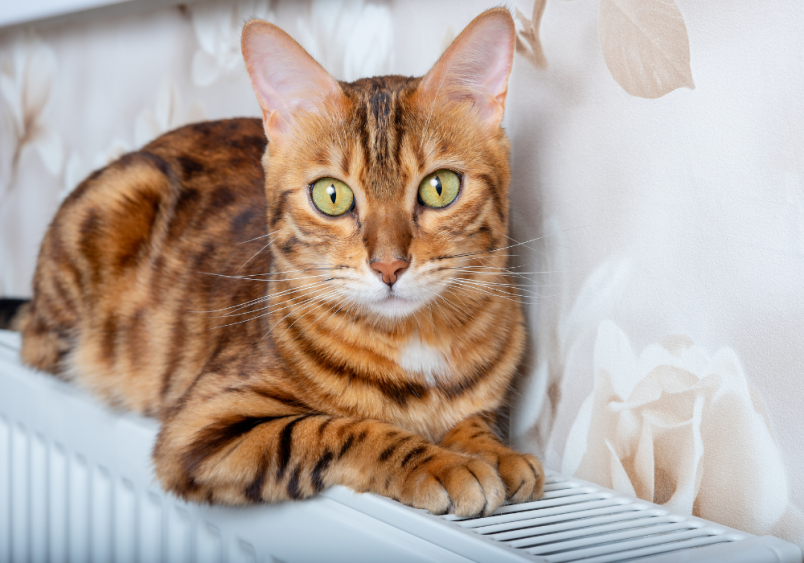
(350,38)
(217,28)
(166,114)
(528,43)
(26,82)
(645,46)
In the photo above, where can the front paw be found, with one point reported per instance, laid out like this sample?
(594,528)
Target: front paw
(523,476)
(457,483)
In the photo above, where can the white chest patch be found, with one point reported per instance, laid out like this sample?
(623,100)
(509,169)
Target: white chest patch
(421,358)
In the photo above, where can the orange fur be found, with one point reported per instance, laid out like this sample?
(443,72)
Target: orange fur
(184,282)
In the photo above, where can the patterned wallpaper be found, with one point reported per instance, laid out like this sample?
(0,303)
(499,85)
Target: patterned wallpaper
(658,194)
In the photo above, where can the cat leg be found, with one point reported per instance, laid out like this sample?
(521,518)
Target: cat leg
(522,474)
(237,446)
(45,343)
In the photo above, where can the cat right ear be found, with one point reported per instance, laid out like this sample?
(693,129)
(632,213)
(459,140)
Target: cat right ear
(476,66)
(286,79)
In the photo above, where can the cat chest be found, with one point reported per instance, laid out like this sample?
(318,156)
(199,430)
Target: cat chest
(425,362)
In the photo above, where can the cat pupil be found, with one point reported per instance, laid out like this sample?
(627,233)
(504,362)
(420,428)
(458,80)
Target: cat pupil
(332,193)
(436,183)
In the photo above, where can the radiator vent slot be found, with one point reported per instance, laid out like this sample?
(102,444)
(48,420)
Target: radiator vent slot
(577,521)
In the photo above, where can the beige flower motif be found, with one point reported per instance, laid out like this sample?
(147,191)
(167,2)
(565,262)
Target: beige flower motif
(75,170)
(166,115)
(528,43)
(350,38)
(217,28)
(562,323)
(680,427)
(26,81)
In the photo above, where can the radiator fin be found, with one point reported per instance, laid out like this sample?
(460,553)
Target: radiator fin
(58,506)
(577,521)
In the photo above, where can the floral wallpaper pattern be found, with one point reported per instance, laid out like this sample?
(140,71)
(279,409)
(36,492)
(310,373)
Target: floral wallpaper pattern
(644,44)
(663,217)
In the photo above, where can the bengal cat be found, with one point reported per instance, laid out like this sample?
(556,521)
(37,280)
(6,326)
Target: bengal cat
(330,307)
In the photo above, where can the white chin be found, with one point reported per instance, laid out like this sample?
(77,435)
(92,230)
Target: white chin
(393,307)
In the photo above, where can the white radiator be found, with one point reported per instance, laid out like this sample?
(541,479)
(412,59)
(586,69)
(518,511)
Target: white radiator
(76,485)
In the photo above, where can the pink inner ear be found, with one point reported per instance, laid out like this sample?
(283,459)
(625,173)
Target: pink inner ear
(477,65)
(285,78)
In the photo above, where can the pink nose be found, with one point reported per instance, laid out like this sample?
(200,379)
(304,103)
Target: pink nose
(390,271)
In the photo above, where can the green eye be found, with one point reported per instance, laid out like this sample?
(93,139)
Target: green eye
(440,188)
(332,196)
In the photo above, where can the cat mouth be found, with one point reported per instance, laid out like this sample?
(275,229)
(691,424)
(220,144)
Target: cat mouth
(395,306)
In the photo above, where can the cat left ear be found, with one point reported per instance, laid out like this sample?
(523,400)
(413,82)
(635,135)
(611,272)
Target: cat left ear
(476,66)
(286,79)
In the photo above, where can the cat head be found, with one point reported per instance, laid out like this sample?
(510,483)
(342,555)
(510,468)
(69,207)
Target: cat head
(389,194)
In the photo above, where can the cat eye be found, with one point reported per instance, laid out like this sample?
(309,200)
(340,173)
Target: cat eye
(440,188)
(332,196)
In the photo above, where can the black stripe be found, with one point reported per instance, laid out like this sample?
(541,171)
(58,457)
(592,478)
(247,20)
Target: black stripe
(254,490)
(481,372)
(425,460)
(281,397)
(213,438)
(398,391)
(389,451)
(411,454)
(9,309)
(285,445)
(316,477)
(293,484)
(323,426)
(347,445)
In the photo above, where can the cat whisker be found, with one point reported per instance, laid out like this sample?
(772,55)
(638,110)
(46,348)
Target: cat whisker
(487,252)
(297,271)
(491,289)
(482,291)
(303,303)
(315,321)
(269,309)
(487,283)
(505,289)
(253,301)
(266,309)
(255,255)
(255,278)
(305,287)
(259,237)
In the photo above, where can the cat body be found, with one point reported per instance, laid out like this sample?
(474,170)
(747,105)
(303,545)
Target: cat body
(285,344)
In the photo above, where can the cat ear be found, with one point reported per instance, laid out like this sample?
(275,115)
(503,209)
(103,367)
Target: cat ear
(285,78)
(477,65)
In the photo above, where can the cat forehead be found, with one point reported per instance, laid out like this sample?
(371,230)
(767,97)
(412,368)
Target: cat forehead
(380,119)
(374,92)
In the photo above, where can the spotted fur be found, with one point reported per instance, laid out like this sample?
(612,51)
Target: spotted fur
(193,281)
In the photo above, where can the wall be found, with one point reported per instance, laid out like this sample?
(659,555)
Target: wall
(658,194)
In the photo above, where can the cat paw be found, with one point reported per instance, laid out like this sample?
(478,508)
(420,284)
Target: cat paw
(523,476)
(454,483)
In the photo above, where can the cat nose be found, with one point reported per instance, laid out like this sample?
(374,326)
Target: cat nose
(390,271)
